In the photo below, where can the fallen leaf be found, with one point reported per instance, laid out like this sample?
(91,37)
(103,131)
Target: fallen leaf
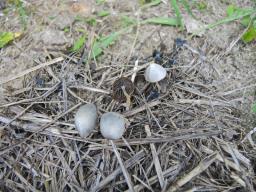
(7,37)
(249,35)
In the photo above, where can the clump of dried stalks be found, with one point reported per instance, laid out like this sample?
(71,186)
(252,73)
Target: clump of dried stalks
(190,137)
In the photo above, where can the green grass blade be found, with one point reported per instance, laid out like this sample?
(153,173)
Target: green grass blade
(98,2)
(177,12)
(162,21)
(232,11)
(187,7)
(103,13)
(231,18)
(151,4)
(254,108)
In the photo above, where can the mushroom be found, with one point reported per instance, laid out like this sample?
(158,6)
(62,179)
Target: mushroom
(85,119)
(155,73)
(122,89)
(112,125)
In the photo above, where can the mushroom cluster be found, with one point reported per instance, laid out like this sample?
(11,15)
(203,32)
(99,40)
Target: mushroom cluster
(112,125)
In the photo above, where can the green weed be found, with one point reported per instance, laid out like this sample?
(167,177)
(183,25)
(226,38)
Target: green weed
(254,108)
(22,12)
(79,43)
(102,43)
(201,5)
(66,29)
(7,37)
(90,20)
(127,21)
(103,13)
(248,20)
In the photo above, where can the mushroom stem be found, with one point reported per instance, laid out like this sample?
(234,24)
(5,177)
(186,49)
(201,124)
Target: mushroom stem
(158,87)
(128,98)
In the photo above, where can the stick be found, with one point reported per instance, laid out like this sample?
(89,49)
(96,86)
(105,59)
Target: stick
(201,167)
(135,70)
(124,170)
(129,163)
(154,179)
(91,89)
(147,140)
(6,149)
(142,108)
(32,69)
(156,160)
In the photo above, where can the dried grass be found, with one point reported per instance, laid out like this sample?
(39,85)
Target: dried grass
(191,138)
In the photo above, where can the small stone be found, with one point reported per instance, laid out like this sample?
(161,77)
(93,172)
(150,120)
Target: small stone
(63,20)
(51,37)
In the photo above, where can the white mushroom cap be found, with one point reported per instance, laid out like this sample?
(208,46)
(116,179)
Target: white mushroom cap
(155,73)
(112,125)
(85,119)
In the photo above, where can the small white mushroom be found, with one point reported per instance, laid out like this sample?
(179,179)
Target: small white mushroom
(112,125)
(155,73)
(85,119)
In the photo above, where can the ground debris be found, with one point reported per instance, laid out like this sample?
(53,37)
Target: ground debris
(189,132)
